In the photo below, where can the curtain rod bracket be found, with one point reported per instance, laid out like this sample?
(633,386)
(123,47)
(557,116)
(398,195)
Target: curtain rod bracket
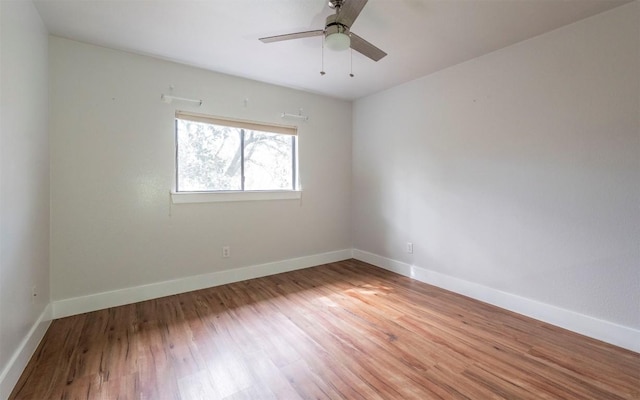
(167,98)
(295,116)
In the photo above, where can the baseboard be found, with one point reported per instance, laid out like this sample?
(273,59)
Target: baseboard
(605,331)
(21,356)
(93,302)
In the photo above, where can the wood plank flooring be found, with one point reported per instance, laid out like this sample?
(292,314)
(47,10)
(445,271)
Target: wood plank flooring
(346,330)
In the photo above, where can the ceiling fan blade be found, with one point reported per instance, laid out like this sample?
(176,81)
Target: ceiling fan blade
(290,36)
(349,11)
(365,48)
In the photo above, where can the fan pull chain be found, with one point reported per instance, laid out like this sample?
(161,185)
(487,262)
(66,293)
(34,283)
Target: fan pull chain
(351,54)
(322,66)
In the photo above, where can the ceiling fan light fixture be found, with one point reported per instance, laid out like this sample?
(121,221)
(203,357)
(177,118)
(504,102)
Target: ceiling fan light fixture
(338,41)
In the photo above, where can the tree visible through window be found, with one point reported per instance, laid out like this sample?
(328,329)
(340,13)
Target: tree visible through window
(224,155)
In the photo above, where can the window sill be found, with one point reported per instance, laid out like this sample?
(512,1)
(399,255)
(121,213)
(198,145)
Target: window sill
(217,197)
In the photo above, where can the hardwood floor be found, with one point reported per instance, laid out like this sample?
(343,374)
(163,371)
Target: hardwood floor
(346,330)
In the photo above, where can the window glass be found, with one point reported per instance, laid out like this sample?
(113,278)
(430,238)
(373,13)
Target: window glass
(268,161)
(217,157)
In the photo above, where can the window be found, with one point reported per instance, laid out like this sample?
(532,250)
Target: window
(214,155)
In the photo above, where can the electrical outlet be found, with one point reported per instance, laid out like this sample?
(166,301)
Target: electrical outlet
(226,252)
(34,294)
(409,247)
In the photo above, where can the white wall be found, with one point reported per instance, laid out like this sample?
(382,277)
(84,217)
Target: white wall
(24,187)
(112,167)
(518,171)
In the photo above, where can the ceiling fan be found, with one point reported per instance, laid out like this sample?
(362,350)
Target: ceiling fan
(337,30)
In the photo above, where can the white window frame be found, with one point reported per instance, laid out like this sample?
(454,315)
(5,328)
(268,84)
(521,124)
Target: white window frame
(182,197)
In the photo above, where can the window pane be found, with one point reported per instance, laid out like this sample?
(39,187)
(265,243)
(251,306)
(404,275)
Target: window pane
(268,161)
(208,157)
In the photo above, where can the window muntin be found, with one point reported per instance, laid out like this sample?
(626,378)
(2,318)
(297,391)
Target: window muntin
(214,155)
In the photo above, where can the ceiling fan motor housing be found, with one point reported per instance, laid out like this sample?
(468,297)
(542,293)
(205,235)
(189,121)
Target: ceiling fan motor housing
(332,26)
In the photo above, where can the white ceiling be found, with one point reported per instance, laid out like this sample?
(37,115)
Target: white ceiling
(420,36)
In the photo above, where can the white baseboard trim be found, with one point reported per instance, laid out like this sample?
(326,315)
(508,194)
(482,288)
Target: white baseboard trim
(21,356)
(605,331)
(99,301)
